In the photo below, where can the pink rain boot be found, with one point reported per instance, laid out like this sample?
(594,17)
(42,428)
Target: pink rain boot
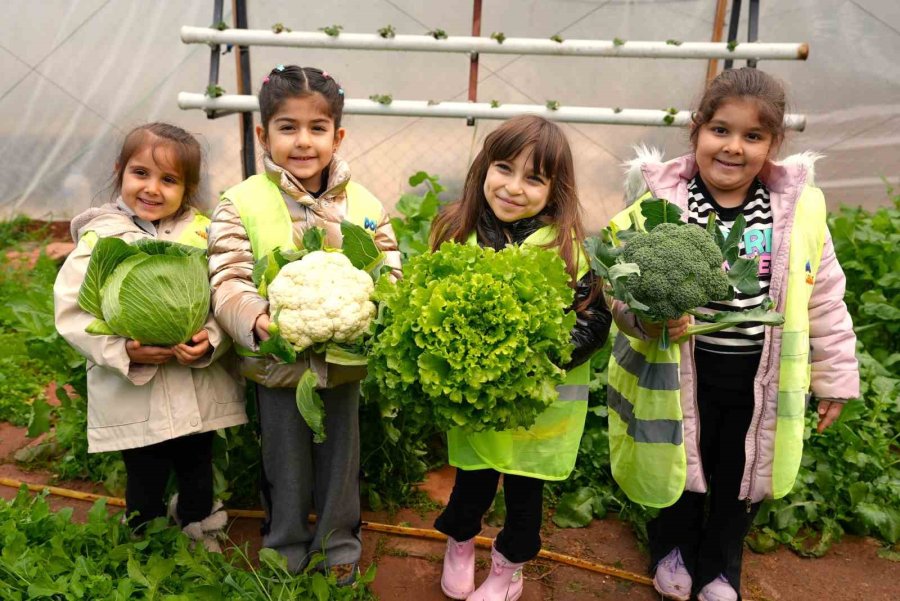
(458,577)
(504,583)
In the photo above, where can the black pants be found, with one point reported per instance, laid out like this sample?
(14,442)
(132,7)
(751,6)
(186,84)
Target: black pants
(711,539)
(148,470)
(473,492)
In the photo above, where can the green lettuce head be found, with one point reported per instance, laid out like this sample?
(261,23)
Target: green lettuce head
(472,337)
(153,291)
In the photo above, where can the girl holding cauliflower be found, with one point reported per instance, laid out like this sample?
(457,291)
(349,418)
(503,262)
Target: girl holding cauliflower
(723,415)
(520,190)
(156,395)
(305,186)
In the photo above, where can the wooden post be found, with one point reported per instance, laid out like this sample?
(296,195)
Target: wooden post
(473,58)
(713,68)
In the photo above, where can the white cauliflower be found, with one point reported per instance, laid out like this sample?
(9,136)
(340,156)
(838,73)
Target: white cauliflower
(321,297)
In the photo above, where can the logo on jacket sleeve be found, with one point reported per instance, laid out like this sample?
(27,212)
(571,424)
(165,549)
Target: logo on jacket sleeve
(809,276)
(369,224)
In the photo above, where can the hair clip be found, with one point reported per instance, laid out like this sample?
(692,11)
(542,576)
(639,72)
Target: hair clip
(341,91)
(326,75)
(265,79)
(279,68)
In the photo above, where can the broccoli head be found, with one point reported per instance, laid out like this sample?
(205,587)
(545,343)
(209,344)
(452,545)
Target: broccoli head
(681,269)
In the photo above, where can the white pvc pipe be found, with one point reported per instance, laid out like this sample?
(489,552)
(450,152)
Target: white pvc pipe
(486,45)
(478,110)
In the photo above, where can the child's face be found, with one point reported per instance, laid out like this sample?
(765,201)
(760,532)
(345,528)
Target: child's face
(732,148)
(152,184)
(301,138)
(513,190)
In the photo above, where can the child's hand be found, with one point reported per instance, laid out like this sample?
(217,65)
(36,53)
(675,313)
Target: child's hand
(677,327)
(828,412)
(262,327)
(151,355)
(190,352)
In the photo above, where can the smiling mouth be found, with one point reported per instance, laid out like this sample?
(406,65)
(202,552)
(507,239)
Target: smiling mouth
(727,164)
(149,203)
(302,159)
(506,201)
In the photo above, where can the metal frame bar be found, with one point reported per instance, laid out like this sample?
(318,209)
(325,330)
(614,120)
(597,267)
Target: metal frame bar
(733,28)
(214,53)
(473,58)
(248,145)
(753,28)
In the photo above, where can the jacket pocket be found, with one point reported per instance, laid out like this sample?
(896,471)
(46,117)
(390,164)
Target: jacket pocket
(114,401)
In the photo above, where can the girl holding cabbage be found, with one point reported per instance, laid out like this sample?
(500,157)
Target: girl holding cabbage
(133,298)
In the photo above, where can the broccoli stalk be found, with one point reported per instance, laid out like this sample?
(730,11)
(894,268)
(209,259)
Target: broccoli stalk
(663,268)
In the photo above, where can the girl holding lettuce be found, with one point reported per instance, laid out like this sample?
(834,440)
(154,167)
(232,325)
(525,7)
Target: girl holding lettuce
(158,404)
(520,190)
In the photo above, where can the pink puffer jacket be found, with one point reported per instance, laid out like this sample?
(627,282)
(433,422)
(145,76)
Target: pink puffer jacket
(835,373)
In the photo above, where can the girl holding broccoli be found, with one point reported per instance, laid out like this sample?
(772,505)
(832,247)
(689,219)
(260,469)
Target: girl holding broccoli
(519,190)
(305,184)
(727,417)
(158,405)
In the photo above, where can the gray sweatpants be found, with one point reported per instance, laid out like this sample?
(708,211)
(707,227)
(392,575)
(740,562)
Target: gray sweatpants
(298,473)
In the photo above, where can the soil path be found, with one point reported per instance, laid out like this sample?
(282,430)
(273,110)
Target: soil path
(409,568)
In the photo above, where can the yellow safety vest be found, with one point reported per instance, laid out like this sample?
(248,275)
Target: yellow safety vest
(195,234)
(548,449)
(646,430)
(262,209)
(261,206)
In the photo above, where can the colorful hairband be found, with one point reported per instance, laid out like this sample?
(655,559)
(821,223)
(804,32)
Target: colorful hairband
(341,91)
(326,75)
(265,79)
(279,68)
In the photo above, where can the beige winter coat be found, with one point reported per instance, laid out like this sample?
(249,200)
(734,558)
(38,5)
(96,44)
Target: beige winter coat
(235,299)
(134,405)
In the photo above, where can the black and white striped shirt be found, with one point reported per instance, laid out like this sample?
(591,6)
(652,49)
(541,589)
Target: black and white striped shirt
(747,337)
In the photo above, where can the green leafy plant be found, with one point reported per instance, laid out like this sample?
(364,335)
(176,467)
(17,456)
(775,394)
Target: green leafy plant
(669,117)
(617,110)
(498,36)
(674,42)
(617,42)
(472,337)
(732,44)
(214,91)
(332,30)
(438,34)
(221,26)
(552,105)
(495,104)
(417,211)
(280,28)
(387,32)
(557,38)
(384,99)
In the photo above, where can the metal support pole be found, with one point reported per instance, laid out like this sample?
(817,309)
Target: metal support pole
(248,148)
(214,54)
(733,27)
(473,58)
(753,28)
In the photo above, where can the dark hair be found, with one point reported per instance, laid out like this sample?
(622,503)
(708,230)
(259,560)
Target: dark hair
(291,81)
(187,151)
(552,158)
(747,83)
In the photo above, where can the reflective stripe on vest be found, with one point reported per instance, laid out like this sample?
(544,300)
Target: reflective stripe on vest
(646,433)
(266,219)
(548,449)
(264,214)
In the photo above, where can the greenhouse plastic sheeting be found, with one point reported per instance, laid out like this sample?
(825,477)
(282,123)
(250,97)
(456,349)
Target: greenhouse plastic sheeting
(78,74)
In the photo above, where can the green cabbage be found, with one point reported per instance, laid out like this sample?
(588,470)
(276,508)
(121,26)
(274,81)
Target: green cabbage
(153,291)
(472,337)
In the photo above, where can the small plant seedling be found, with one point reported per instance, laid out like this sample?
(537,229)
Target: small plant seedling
(674,42)
(669,119)
(732,44)
(617,110)
(438,34)
(499,36)
(280,28)
(387,32)
(495,104)
(332,30)
(557,38)
(221,26)
(618,42)
(433,102)
(214,91)
(553,105)
(384,99)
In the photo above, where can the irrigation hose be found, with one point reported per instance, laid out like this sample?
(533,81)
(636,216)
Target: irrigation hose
(425,533)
